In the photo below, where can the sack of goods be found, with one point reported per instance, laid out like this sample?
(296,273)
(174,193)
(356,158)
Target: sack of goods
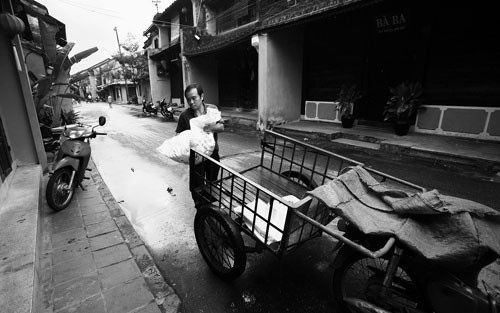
(178,147)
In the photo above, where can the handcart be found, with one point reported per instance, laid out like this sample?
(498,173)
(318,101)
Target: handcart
(270,204)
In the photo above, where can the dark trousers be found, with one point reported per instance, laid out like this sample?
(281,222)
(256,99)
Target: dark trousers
(205,170)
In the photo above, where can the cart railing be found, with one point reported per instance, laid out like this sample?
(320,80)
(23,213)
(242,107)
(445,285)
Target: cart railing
(281,153)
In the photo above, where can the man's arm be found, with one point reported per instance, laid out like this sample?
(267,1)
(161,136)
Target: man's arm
(182,124)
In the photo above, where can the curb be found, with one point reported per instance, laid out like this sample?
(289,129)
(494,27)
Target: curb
(389,147)
(165,296)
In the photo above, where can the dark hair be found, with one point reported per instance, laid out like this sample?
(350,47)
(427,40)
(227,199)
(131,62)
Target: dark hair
(196,86)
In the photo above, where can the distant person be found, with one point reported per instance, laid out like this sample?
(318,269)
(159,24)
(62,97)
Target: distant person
(109,101)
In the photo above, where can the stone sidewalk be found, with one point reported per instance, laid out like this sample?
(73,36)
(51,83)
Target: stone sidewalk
(92,260)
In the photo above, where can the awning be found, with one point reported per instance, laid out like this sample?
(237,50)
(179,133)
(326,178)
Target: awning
(305,10)
(163,53)
(211,43)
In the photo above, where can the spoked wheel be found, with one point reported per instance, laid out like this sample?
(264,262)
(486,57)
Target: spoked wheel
(300,179)
(220,243)
(59,193)
(361,277)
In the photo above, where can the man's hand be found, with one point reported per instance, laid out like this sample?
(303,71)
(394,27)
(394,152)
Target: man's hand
(214,128)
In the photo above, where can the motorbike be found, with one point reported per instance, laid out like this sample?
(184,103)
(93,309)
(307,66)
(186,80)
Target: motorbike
(70,163)
(401,281)
(166,109)
(148,108)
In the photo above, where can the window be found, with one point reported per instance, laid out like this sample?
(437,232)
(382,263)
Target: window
(5,158)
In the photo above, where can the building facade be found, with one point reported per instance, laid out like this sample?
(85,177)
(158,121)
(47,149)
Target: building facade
(106,79)
(163,49)
(287,60)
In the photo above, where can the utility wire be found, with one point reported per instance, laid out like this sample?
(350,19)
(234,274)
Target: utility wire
(172,24)
(237,8)
(91,6)
(77,5)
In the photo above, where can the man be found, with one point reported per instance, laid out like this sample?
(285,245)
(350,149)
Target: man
(209,170)
(109,101)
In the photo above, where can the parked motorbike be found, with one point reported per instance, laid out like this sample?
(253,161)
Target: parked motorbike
(166,109)
(402,281)
(148,108)
(70,163)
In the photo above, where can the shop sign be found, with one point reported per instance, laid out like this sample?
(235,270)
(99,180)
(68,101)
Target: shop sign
(393,22)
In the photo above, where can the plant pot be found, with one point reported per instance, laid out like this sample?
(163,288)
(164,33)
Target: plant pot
(401,128)
(347,121)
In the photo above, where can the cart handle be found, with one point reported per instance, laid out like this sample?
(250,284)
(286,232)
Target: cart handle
(360,248)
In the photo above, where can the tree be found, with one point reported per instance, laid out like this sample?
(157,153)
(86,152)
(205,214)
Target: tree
(134,64)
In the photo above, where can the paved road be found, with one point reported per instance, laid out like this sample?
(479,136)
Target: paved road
(138,177)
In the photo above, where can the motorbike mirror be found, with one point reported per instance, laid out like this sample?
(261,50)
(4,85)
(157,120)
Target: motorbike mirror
(102,120)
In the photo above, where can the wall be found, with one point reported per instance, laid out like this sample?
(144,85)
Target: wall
(17,108)
(280,74)
(160,86)
(93,86)
(203,70)
(163,38)
(471,122)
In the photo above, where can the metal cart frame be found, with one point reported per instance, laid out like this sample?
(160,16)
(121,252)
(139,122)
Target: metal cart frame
(232,204)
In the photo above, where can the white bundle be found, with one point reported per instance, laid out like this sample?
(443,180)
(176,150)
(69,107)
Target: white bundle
(178,147)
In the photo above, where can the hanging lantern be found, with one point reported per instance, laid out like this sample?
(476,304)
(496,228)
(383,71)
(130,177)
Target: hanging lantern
(11,25)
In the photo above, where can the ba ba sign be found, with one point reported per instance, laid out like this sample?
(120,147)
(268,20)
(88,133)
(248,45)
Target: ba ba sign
(392,22)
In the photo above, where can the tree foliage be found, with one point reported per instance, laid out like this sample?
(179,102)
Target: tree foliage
(134,64)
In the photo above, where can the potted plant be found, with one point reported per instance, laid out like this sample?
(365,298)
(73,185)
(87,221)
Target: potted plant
(348,95)
(402,107)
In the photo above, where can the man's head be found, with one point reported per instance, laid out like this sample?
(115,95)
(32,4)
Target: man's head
(194,96)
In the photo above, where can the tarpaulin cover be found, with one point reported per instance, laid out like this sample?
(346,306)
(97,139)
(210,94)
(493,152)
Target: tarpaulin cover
(452,231)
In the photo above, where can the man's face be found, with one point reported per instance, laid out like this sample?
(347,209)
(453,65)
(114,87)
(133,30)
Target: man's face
(193,99)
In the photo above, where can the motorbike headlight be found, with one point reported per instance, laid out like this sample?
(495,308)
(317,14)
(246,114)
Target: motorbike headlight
(76,134)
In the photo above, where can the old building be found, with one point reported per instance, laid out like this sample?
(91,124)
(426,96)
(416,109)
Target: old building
(163,49)
(106,78)
(287,60)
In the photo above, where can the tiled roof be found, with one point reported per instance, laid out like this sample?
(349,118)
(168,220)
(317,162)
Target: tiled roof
(163,51)
(302,10)
(211,43)
(278,14)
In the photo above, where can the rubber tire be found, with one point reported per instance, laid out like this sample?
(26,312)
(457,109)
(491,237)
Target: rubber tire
(343,268)
(52,186)
(304,180)
(232,238)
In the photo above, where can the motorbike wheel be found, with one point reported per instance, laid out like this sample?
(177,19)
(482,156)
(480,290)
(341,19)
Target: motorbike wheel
(361,277)
(59,193)
(220,243)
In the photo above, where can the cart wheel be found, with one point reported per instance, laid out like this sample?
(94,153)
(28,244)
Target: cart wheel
(220,243)
(300,179)
(361,277)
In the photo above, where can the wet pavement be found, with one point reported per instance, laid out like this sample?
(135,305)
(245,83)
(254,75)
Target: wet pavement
(152,192)
(94,261)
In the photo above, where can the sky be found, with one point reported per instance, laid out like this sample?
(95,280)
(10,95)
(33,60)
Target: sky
(90,24)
